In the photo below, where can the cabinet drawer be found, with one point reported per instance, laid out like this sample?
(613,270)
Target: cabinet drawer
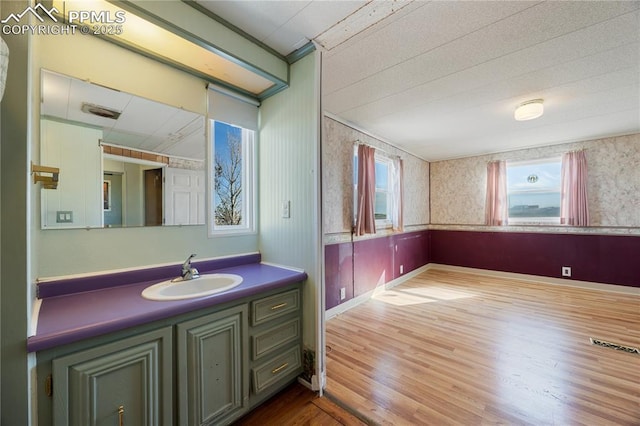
(275,337)
(276,368)
(271,307)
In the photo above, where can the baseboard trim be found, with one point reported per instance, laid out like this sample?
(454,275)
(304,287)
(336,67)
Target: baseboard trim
(539,279)
(351,303)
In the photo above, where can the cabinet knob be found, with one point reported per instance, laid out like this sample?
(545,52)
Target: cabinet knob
(121,415)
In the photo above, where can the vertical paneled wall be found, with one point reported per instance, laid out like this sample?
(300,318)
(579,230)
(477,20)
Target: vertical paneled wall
(288,173)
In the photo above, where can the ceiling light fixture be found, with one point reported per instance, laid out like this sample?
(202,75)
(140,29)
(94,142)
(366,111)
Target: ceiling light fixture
(529,110)
(160,40)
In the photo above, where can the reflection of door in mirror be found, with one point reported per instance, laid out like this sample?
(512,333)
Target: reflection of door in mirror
(184,196)
(153,197)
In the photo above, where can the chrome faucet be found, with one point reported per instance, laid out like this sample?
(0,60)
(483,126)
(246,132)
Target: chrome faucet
(188,272)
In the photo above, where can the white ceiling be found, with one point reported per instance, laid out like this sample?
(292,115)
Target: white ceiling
(143,125)
(441,79)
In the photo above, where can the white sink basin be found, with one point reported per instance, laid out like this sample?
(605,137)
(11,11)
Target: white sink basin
(205,285)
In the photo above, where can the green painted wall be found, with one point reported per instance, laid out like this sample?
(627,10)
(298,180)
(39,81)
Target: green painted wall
(289,171)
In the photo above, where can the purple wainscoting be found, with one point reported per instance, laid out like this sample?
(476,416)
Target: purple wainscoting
(610,259)
(338,273)
(376,261)
(373,264)
(413,251)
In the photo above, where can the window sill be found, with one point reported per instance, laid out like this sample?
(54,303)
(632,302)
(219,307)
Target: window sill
(534,222)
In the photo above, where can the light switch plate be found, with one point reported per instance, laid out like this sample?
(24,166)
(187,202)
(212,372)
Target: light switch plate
(286,209)
(64,216)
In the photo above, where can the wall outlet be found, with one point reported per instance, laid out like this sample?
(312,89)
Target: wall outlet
(566,271)
(343,293)
(401,269)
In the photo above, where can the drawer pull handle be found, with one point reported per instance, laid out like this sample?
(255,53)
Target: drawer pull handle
(282,367)
(282,305)
(121,415)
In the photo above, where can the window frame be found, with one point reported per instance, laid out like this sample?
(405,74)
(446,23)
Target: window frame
(532,220)
(249,183)
(386,161)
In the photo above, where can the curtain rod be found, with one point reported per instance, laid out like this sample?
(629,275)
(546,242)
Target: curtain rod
(388,154)
(537,158)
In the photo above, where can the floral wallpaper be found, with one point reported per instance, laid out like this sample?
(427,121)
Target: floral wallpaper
(337,178)
(458,187)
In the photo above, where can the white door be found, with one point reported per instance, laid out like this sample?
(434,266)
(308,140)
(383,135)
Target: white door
(184,197)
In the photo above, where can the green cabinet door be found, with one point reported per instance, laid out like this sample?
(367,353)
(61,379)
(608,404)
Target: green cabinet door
(128,382)
(213,376)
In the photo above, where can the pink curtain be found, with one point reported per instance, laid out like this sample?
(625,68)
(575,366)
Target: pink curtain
(573,202)
(496,212)
(365,218)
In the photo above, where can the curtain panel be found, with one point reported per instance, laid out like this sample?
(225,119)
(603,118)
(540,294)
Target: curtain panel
(574,202)
(365,218)
(496,211)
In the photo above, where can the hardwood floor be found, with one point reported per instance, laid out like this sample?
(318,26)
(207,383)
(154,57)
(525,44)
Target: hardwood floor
(451,348)
(298,405)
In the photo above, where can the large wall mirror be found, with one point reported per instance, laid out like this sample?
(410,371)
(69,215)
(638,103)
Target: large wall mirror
(124,161)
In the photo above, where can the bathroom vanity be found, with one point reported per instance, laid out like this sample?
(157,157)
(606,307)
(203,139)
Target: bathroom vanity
(106,355)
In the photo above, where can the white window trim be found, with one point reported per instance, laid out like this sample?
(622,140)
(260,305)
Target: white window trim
(249,185)
(532,220)
(386,223)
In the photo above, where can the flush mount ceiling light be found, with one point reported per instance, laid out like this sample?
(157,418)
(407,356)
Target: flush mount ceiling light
(529,110)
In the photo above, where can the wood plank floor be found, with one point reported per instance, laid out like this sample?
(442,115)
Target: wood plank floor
(452,348)
(298,405)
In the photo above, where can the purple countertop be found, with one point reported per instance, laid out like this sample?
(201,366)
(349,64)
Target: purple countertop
(71,317)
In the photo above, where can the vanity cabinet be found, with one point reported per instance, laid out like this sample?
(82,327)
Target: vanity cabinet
(276,338)
(128,382)
(212,367)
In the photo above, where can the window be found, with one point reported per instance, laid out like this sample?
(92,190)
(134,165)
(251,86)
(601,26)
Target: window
(232,155)
(533,191)
(384,189)
(232,177)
